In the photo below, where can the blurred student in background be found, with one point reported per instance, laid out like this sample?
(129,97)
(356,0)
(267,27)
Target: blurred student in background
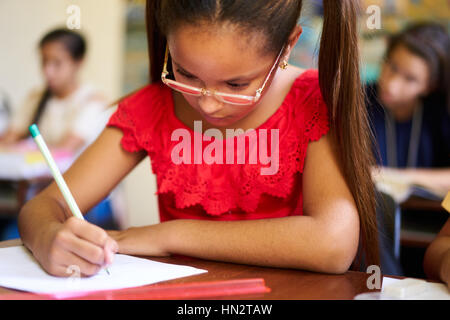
(66,110)
(70,114)
(409,107)
(409,113)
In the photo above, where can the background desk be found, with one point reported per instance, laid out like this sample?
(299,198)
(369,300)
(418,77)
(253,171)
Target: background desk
(285,284)
(24,170)
(422,219)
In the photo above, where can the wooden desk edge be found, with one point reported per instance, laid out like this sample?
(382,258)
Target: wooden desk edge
(279,280)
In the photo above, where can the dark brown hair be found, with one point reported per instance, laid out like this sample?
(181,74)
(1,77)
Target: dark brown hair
(338,77)
(431,42)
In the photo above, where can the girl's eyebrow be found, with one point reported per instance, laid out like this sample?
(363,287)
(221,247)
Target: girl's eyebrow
(237,79)
(183,69)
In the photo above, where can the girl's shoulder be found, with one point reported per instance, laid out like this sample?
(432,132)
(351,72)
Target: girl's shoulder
(90,93)
(305,105)
(145,101)
(307,78)
(139,113)
(146,94)
(86,98)
(304,90)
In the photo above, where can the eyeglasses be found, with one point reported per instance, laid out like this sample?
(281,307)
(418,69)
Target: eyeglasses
(236,99)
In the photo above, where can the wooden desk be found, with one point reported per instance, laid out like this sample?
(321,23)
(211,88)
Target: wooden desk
(22,167)
(285,284)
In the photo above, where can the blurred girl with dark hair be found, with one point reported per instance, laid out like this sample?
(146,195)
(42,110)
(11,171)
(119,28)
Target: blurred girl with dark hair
(70,114)
(66,110)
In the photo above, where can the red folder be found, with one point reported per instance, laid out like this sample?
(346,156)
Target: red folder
(193,290)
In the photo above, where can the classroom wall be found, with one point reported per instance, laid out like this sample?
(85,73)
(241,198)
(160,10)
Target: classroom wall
(139,194)
(24,22)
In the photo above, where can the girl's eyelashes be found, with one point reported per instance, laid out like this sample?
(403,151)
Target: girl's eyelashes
(237,86)
(232,85)
(185,74)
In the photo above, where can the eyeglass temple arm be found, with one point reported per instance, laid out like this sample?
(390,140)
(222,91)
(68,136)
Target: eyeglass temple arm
(270,72)
(166,58)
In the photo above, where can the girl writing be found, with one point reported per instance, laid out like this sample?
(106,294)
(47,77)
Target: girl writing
(224,63)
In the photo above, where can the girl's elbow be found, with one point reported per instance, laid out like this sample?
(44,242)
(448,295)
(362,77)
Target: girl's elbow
(339,264)
(339,255)
(326,263)
(330,260)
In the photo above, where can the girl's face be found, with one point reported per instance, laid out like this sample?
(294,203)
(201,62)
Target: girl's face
(58,66)
(404,78)
(221,59)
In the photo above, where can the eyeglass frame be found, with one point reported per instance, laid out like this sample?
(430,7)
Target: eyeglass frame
(206,92)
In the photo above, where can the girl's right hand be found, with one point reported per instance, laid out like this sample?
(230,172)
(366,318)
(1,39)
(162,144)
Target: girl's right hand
(78,243)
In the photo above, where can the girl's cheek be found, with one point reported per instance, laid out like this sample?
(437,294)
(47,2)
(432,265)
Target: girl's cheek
(192,101)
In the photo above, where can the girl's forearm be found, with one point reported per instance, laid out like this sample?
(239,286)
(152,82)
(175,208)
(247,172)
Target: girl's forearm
(290,242)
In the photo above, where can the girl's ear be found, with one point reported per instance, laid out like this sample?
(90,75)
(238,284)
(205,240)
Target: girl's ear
(292,41)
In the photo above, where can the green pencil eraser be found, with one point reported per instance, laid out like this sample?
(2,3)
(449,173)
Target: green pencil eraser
(34,130)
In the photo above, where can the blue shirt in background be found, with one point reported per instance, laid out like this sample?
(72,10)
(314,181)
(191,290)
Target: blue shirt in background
(434,142)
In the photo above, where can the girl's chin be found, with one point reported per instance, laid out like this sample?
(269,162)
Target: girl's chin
(387,100)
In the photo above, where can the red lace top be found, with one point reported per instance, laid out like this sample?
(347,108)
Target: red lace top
(225,191)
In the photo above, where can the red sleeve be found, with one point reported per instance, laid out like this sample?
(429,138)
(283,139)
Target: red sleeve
(317,124)
(140,116)
(123,119)
(312,113)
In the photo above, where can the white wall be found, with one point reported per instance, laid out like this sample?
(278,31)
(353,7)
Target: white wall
(139,191)
(24,22)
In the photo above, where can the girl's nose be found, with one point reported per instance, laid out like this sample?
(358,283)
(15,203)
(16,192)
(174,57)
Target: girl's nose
(210,105)
(393,86)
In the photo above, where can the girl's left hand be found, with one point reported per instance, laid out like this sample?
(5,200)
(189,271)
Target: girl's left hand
(445,269)
(143,241)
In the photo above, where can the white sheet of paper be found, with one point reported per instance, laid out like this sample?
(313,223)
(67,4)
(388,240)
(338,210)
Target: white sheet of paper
(431,290)
(20,270)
